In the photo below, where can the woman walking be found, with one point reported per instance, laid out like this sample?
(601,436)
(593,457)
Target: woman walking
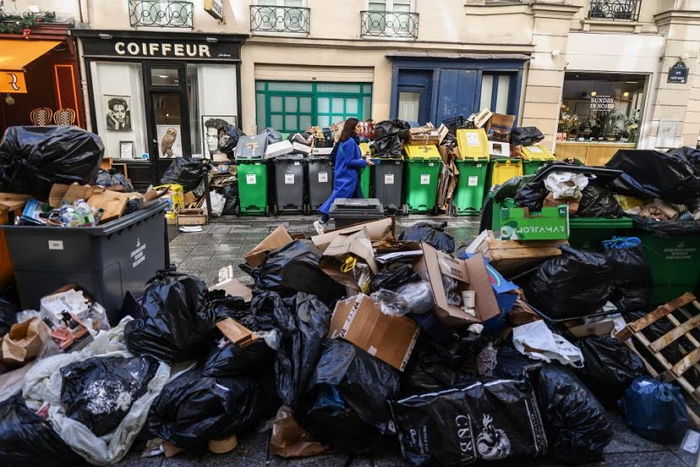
(348,165)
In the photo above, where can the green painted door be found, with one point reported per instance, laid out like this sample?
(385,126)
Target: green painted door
(292,107)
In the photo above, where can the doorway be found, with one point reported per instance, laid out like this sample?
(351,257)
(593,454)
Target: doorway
(168,110)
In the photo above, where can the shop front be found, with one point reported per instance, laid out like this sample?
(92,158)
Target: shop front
(39,78)
(436,89)
(600,114)
(156,96)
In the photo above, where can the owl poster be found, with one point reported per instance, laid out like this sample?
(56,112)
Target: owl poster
(169,141)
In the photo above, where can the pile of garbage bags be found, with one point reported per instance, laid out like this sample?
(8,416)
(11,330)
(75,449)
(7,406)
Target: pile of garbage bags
(405,352)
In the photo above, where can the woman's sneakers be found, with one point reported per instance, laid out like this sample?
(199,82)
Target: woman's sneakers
(320,227)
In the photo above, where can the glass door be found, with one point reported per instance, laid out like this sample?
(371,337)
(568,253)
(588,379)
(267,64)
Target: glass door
(169,114)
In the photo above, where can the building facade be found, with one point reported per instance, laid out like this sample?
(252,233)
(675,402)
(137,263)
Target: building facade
(593,75)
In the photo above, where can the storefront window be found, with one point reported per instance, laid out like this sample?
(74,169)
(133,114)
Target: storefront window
(119,108)
(601,107)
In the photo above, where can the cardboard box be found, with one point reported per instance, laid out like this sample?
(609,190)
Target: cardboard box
(277,239)
(499,149)
(278,149)
(196,216)
(600,328)
(501,123)
(359,320)
(376,230)
(471,274)
(509,256)
(84,192)
(357,245)
(58,191)
(236,332)
(113,203)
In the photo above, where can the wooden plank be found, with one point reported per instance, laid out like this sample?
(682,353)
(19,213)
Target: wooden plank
(686,362)
(677,323)
(671,336)
(661,311)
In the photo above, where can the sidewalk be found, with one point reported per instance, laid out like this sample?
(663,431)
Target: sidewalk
(226,241)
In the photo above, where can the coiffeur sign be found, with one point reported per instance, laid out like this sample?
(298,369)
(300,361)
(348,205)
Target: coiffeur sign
(190,50)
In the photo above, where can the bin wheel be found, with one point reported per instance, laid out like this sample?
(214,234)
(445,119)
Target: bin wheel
(238,211)
(267,211)
(404,210)
(275,210)
(435,211)
(307,209)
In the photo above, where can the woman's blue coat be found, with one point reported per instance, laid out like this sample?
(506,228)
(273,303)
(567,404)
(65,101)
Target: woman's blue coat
(346,177)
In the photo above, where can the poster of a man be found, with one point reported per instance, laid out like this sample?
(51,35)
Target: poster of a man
(118,113)
(211,129)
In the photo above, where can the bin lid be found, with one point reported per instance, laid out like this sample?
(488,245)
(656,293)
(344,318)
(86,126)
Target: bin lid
(290,157)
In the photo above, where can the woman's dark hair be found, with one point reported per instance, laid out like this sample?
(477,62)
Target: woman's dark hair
(348,129)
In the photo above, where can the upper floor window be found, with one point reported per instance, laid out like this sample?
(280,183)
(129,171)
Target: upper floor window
(280,16)
(390,18)
(615,9)
(161,13)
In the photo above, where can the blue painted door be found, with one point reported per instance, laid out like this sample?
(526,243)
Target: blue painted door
(457,94)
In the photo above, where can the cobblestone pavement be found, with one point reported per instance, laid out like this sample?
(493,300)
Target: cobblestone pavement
(225,242)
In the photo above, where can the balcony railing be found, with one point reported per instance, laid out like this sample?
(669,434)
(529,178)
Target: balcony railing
(156,13)
(626,10)
(280,19)
(389,24)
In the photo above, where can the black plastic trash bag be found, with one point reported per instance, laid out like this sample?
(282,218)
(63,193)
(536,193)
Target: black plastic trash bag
(295,268)
(576,424)
(194,409)
(434,367)
(178,324)
(690,154)
(234,361)
(598,201)
(301,323)
(668,228)
(230,193)
(525,136)
(655,410)
(482,422)
(187,172)
(364,382)
(388,138)
(434,234)
(26,439)
(33,158)
(609,367)
(107,178)
(229,140)
(531,195)
(630,274)
(394,276)
(668,174)
(330,420)
(8,316)
(98,392)
(576,283)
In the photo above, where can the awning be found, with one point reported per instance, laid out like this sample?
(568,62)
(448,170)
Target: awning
(15,55)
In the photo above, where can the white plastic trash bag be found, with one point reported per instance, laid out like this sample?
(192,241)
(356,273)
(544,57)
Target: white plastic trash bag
(218,202)
(43,385)
(566,185)
(536,341)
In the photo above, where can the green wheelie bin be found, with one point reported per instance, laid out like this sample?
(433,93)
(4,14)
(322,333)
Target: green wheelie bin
(471,183)
(252,188)
(423,165)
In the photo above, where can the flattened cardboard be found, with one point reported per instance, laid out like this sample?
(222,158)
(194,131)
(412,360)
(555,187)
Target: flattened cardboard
(471,275)
(113,203)
(600,328)
(234,288)
(84,192)
(358,245)
(236,332)
(375,229)
(360,321)
(277,239)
